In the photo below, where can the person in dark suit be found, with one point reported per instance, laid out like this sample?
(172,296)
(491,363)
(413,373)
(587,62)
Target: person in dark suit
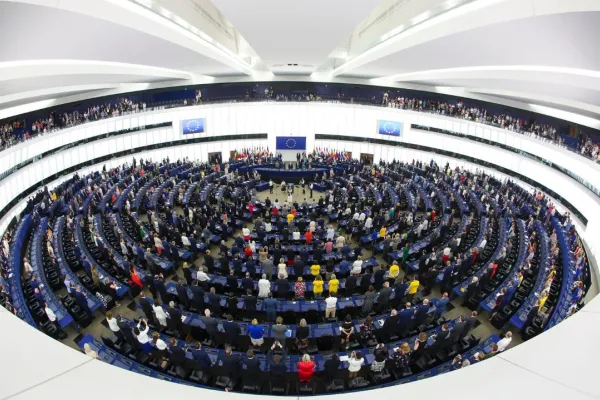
(175,317)
(383,299)
(270,306)
(299,267)
(81,300)
(390,326)
(211,325)
(232,331)
(182,293)
(249,301)
(214,301)
(283,287)
(470,323)
(177,353)
(202,359)
(251,367)
(231,281)
(276,360)
(459,327)
(149,282)
(209,261)
(405,319)
(440,340)
(146,307)
(471,290)
(159,282)
(247,282)
(197,296)
(331,368)
(230,363)
(421,313)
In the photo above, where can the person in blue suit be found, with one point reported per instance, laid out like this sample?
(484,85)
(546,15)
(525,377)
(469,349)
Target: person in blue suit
(202,358)
(270,306)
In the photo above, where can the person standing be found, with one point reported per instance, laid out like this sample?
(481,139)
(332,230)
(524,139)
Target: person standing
(355,363)
(331,303)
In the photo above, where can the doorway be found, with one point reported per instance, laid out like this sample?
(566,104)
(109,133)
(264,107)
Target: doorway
(366,158)
(215,158)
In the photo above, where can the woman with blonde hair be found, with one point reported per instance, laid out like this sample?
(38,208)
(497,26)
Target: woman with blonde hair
(87,349)
(306,368)
(401,357)
(256,333)
(282,268)
(299,288)
(302,334)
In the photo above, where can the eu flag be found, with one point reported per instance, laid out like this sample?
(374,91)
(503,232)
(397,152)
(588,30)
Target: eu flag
(392,128)
(290,143)
(192,125)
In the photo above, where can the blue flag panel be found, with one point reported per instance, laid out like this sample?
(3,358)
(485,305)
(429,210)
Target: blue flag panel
(393,128)
(192,125)
(290,143)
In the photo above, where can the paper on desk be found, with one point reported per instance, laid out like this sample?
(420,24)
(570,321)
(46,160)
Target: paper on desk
(183,318)
(343,358)
(381,321)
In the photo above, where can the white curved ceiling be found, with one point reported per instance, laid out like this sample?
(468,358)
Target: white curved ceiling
(522,53)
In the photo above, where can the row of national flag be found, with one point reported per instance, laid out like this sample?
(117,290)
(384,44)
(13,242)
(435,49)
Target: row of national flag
(332,154)
(254,151)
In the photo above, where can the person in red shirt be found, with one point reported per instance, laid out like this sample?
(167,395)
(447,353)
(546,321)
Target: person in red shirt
(433,216)
(275,212)
(293,212)
(251,208)
(248,251)
(135,278)
(308,236)
(494,267)
(306,369)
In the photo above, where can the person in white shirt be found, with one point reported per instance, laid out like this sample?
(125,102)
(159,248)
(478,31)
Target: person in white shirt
(49,312)
(357,266)
(369,224)
(124,248)
(264,287)
(356,216)
(296,234)
(160,314)
(330,232)
(362,217)
(202,276)
(185,241)
(87,349)
(141,332)
(27,266)
(113,325)
(505,342)
(355,362)
(158,342)
(268,227)
(483,243)
(340,242)
(282,269)
(331,303)
(252,245)
(246,233)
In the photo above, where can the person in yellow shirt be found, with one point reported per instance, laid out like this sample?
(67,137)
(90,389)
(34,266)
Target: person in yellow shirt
(334,283)
(53,196)
(382,232)
(318,287)
(394,270)
(290,217)
(413,286)
(315,269)
(542,300)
